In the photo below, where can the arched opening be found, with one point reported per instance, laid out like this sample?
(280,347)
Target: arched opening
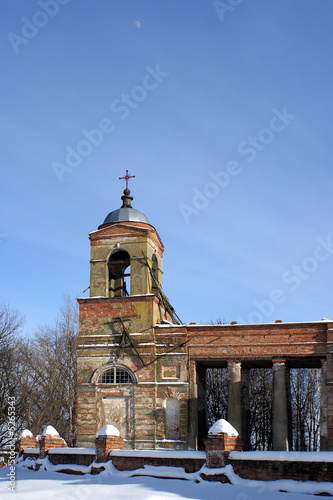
(116,407)
(155,274)
(119,280)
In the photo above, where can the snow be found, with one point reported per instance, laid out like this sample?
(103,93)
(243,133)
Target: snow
(172,333)
(73,451)
(106,344)
(222,425)
(324,320)
(188,454)
(26,433)
(108,430)
(169,353)
(290,456)
(144,484)
(50,431)
(108,298)
(94,297)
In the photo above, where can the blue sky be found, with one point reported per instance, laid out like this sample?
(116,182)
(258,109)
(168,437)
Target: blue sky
(223,112)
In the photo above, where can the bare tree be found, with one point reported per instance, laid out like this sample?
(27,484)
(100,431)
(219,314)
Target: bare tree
(10,325)
(216,394)
(48,384)
(305,408)
(261,411)
(216,388)
(68,326)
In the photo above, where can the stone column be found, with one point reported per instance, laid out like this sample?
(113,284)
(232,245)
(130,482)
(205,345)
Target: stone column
(246,414)
(201,402)
(289,410)
(323,406)
(280,417)
(235,395)
(193,414)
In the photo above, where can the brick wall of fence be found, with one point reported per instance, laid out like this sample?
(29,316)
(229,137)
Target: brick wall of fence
(82,457)
(261,470)
(272,470)
(191,461)
(265,466)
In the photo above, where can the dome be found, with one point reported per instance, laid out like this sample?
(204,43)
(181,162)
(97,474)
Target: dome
(126,213)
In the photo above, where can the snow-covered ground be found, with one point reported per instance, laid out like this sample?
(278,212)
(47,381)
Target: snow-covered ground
(113,485)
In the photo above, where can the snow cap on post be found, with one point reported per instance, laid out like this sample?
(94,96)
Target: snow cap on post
(108,430)
(50,431)
(26,433)
(222,426)
(26,440)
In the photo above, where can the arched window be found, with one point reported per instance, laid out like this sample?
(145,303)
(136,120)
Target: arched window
(116,375)
(118,263)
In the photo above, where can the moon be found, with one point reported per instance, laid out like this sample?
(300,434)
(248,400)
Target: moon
(137,24)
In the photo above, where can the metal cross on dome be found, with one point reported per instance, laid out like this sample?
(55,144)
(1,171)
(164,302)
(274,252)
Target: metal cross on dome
(126,178)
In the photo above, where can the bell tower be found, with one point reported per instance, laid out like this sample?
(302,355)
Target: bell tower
(126,254)
(116,349)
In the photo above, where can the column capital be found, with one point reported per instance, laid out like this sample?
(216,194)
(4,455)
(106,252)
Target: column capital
(278,362)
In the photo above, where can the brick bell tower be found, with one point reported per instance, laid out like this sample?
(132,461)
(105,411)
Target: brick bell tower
(116,379)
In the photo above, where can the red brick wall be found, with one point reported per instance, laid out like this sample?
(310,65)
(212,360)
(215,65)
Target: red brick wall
(296,340)
(78,459)
(27,442)
(133,463)
(30,454)
(224,442)
(48,442)
(261,470)
(218,448)
(105,444)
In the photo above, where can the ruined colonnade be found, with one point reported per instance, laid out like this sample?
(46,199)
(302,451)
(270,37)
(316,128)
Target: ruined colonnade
(238,411)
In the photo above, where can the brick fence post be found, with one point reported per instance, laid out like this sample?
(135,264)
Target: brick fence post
(221,440)
(50,439)
(108,439)
(26,440)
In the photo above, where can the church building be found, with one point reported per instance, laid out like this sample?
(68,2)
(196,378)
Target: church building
(143,371)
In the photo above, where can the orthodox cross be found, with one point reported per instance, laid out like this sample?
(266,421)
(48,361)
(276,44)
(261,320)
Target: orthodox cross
(126,178)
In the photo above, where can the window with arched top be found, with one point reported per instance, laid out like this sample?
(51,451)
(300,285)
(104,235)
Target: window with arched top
(119,279)
(116,375)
